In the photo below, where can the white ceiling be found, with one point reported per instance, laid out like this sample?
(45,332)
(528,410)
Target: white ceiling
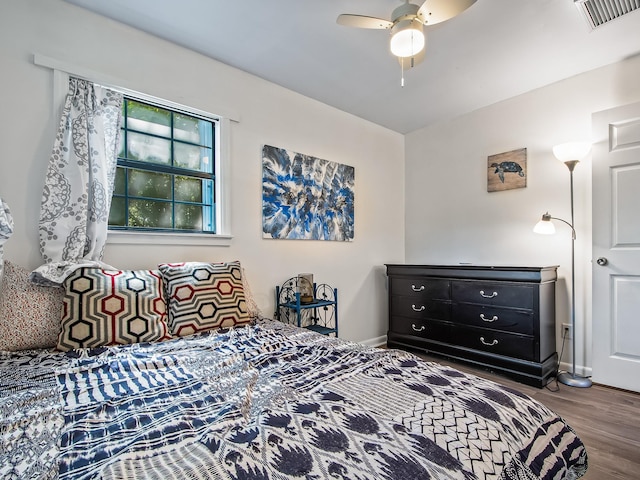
(494,50)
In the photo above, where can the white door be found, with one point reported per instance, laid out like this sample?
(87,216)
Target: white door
(616,247)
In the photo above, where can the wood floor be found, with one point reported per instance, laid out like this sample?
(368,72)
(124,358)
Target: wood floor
(606,420)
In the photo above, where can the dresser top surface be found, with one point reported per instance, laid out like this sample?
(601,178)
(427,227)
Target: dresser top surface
(480,272)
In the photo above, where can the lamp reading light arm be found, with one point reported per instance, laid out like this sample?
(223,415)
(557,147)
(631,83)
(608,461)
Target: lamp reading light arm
(573,230)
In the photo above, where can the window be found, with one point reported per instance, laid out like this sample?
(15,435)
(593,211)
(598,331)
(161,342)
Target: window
(165,178)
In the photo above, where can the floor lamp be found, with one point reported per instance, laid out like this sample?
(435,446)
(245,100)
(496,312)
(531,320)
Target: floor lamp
(570,153)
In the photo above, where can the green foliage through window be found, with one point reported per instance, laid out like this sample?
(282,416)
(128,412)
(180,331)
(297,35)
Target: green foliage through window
(165,177)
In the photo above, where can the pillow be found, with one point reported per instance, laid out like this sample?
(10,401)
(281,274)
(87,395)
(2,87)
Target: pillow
(202,296)
(108,307)
(29,313)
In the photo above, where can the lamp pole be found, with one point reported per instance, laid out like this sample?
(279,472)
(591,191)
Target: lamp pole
(571,379)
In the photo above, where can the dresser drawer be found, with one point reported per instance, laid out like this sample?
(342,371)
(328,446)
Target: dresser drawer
(499,318)
(488,293)
(496,341)
(419,307)
(426,288)
(420,328)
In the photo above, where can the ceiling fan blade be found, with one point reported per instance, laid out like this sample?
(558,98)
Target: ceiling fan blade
(362,21)
(436,11)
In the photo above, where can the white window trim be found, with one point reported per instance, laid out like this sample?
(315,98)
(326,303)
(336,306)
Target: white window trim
(127,237)
(223,237)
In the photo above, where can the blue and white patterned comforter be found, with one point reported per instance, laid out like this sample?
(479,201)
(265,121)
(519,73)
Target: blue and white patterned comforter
(268,401)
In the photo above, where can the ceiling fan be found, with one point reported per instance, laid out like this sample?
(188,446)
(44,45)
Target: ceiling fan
(406,24)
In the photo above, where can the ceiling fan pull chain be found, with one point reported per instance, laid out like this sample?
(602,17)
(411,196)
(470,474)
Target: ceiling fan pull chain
(402,69)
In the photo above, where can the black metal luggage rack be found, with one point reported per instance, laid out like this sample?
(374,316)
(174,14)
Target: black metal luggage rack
(319,315)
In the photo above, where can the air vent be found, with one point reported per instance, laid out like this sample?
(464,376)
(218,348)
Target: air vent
(599,12)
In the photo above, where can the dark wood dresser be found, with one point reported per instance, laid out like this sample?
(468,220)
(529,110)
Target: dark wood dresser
(501,318)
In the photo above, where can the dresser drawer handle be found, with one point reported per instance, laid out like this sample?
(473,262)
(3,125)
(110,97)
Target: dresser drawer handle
(493,319)
(422,327)
(494,294)
(416,289)
(494,342)
(416,309)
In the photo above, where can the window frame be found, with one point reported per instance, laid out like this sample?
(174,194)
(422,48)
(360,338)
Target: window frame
(222,189)
(172,169)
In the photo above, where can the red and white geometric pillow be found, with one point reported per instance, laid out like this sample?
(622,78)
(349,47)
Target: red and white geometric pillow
(201,296)
(108,307)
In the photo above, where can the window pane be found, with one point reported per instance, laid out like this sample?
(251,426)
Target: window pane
(149,184)
(150,214)
(189,189)
(192,130)
(148,149)
(117,214)
(188,217)
(193,157)
(148,118)
(119,183)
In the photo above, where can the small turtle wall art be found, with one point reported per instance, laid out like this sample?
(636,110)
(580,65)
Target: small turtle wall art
(506,171)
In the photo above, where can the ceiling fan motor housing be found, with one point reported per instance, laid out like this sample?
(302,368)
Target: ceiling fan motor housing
(406,11)
(407,37)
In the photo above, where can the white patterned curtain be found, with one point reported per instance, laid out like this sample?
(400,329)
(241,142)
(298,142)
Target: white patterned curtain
(74,213)
(6,228)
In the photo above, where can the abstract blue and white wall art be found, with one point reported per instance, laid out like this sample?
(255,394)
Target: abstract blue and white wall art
(304,197)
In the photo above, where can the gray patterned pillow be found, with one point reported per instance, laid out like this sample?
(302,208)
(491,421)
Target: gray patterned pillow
(203,296)
(29,314)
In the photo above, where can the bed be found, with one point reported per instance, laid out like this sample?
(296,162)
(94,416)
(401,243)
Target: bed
(267,400)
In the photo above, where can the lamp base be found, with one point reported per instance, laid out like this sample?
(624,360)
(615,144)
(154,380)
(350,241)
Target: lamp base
(574,380)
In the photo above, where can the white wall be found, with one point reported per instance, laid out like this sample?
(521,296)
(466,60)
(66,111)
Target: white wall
(268,115)
(450,217)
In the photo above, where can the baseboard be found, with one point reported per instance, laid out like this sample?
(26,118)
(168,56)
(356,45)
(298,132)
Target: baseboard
(375,342)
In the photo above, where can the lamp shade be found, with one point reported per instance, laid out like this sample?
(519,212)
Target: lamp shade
(569,151)
(407,38)
(545,226)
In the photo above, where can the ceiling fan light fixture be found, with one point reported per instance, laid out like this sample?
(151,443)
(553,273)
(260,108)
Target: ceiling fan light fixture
(407,38)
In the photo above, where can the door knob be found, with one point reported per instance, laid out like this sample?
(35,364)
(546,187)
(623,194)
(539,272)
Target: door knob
(602,261)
